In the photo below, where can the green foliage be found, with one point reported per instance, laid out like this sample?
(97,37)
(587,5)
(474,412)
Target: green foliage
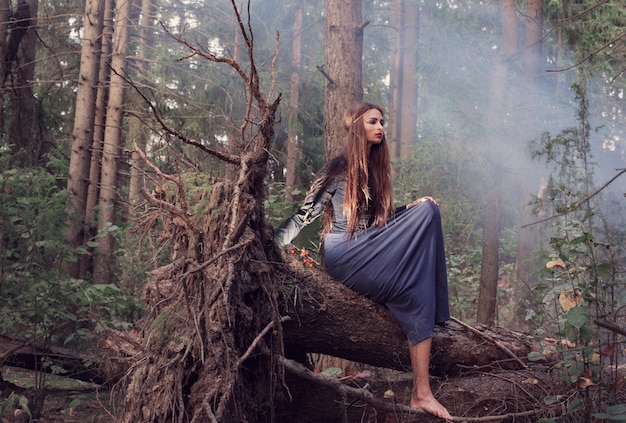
(614,413)
(593,31)
(16,404)
(581,279)
(31,210)
(38,302)
(443,170)
(37,297)
(275,206)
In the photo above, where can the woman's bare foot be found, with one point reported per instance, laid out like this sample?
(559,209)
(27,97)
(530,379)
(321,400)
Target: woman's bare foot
(432,406)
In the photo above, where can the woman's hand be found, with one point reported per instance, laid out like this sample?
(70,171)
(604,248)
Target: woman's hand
(421,200)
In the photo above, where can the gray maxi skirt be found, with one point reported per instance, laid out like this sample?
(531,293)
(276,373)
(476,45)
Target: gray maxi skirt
(401,265)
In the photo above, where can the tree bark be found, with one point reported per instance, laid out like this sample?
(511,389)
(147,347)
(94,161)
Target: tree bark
(496,142)
(409,35)
(395,78)
(527,237)
(343,48)
(292,141)
(5,16)
(145,41)
(112,148)
(82,134)
(533,20)
(324,317)
(24,131)
(331,319)
(95,168)
(489,265)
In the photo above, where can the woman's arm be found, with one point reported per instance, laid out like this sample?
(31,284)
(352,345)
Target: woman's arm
(312,208)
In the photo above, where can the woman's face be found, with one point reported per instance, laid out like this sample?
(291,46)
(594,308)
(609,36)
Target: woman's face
(373,122)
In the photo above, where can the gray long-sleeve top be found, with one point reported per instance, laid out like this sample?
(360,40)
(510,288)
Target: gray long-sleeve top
(312,208)
(333,192)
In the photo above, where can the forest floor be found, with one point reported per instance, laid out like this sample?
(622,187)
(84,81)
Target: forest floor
(72,401)
(67,400)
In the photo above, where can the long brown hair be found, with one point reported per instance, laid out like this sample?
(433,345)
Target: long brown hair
(360,163)
(363,162)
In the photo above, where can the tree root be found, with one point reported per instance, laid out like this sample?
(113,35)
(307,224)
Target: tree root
(344,391)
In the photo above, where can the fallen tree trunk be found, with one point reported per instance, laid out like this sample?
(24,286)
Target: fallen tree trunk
(328,318)
(61,361)
(478,371)
(325,317)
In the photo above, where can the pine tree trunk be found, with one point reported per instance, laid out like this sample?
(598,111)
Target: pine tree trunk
(403,87)
(4,35)
(527,237)
(489,266)
(23,128)
(343,48)
(494,122)
(145,40)
(82,134)
(112,147)
(533,19)
(95,168)
(292,146)
(394,118)
(407,134)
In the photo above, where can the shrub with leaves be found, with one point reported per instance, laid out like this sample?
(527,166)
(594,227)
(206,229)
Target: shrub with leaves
(582,282)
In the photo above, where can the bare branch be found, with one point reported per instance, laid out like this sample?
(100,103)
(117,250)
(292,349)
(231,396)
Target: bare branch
(365,23)
(148,163)
(260,336)
(213,259)
(580,203)
(495,341)
(176,211)
(610,326)
(195,51)
(326,75)
(590,55)
(220,155)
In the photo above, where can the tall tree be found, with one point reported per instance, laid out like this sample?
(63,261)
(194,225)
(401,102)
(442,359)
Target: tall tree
(103,271)
(343,48)
(82,134)
(95,167)
(292,142)
(495,120)
(406,129)
(24,128)
(404,19)
(395,76)
(145,40)
(533,74)
(533,34)
(5,14)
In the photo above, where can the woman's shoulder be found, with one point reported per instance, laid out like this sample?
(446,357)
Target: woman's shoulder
(332,175)
(336,166)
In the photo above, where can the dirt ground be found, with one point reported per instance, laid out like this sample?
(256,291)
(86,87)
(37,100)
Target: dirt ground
(71,401)
(66,400)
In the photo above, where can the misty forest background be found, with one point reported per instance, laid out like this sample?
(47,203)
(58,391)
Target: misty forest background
(509,113)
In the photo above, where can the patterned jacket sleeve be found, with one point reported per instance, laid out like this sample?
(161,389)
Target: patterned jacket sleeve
(312,208)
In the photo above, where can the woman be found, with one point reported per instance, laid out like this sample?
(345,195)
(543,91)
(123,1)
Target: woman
(394,257)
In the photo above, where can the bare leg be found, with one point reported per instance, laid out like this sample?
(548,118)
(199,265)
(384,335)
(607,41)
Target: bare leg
(422,394)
